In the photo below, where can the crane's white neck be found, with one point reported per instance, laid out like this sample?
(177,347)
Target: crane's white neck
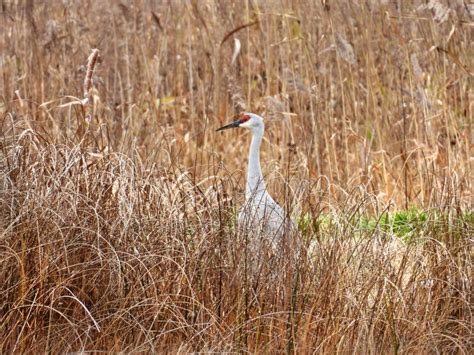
(255,184)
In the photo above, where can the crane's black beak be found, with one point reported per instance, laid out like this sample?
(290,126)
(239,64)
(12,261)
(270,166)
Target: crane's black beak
(230,125)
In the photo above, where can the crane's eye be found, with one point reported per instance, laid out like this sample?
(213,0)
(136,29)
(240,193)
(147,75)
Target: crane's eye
(244,118)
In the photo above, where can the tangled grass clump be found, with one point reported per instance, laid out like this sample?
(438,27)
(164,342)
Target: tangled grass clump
(103,254)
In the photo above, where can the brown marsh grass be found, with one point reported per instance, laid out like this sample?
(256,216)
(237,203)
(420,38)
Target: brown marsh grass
(118,213)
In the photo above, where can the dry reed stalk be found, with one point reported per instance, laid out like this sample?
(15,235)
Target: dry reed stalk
(91,63)
(344,49)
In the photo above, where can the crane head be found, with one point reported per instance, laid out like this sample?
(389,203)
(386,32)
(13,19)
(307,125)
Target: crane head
(246,120)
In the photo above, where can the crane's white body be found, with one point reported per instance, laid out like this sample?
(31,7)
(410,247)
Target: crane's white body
(260,215)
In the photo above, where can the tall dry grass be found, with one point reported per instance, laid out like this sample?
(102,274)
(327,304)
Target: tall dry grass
(118,214)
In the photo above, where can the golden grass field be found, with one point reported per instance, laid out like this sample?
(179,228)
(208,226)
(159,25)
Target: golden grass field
(117,214)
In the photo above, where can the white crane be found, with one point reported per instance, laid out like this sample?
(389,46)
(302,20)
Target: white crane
(260,214)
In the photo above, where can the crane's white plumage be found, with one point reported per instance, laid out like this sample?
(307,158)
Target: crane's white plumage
(260,214)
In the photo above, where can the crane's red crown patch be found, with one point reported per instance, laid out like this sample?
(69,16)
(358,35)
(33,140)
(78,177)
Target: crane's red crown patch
(244,118)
